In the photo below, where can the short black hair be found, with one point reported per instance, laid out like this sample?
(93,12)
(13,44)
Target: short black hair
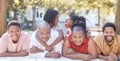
(78,27)
(50,16)
(13,23)
(109,25)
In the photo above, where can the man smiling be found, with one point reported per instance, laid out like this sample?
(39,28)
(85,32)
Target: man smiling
(108,44)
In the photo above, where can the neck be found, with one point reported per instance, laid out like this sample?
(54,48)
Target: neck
(109,43)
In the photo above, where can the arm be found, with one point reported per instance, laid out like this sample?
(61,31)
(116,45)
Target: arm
(35,50)
(8,54)
(70,53)
(52,55)
(92,50)
(65,49)
(110,57)
(59,38)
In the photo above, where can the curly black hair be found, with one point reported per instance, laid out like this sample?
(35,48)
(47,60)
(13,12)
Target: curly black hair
(79,20)
(109,25)
(78,27)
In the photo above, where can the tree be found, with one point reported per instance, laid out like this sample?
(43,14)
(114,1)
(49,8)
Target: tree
(104,7)
(16,6)
(117,18)
(3,16)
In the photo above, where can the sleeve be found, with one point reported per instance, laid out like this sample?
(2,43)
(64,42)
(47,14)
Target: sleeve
(97,38)
(54,35)
(3,45)
(32,40)
(58,47)
(26,42)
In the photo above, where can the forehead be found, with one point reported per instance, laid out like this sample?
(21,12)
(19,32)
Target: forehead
(109,29)
(12,27)
(77,32)
(44,29)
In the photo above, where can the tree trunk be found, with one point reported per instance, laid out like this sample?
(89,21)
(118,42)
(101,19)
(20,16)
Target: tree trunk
(33,21)
(117,18)
(2,16)
(15,14)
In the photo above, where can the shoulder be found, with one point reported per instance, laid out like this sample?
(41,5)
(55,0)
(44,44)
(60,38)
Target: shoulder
(24,35)
(118,37)
(5,36)
(98,38)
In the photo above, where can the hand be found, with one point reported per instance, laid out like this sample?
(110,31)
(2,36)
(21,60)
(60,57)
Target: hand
(69,50)
(88,58)
(112,57)
(35,50)
(53,55)
(23,53)
(49,48)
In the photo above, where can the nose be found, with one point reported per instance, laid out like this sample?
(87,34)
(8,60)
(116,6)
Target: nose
(44,36)
(77,40)
(14,33)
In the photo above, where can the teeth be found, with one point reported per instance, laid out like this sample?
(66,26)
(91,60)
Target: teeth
(14,36)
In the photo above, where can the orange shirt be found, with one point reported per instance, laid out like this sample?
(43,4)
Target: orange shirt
(83,48)
(106,49)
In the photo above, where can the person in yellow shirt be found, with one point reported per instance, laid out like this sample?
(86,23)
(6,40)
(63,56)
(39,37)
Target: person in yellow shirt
(108,43)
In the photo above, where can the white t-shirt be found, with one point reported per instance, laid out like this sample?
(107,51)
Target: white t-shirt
(53,36)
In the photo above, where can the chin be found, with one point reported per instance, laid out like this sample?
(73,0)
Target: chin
(45,40)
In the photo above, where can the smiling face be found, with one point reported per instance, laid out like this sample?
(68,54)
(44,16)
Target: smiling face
(44,31)
(14,32)
(109,34)
(44,34)
(78,37)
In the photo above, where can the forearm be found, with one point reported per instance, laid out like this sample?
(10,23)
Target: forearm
(53,55)
(7,54)
(78,56)
(32,50)
(59,38)
(103,57)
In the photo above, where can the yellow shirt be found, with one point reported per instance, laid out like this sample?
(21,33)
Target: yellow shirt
(106,49)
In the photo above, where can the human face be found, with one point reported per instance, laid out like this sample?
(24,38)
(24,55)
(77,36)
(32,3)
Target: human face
(14,32)
(109,34)
(44,34)
(56,20)
(68,23)
(78,37)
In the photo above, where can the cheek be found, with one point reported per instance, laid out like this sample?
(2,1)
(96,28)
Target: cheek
(48,36)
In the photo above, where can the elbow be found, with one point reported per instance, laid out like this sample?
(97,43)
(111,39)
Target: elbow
(1,55)
(94,56)
(61,34)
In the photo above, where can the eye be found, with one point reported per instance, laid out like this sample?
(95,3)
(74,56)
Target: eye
(11,31)
(74,36)
(41,33)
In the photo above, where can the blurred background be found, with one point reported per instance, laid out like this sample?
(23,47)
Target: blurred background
(30,12)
